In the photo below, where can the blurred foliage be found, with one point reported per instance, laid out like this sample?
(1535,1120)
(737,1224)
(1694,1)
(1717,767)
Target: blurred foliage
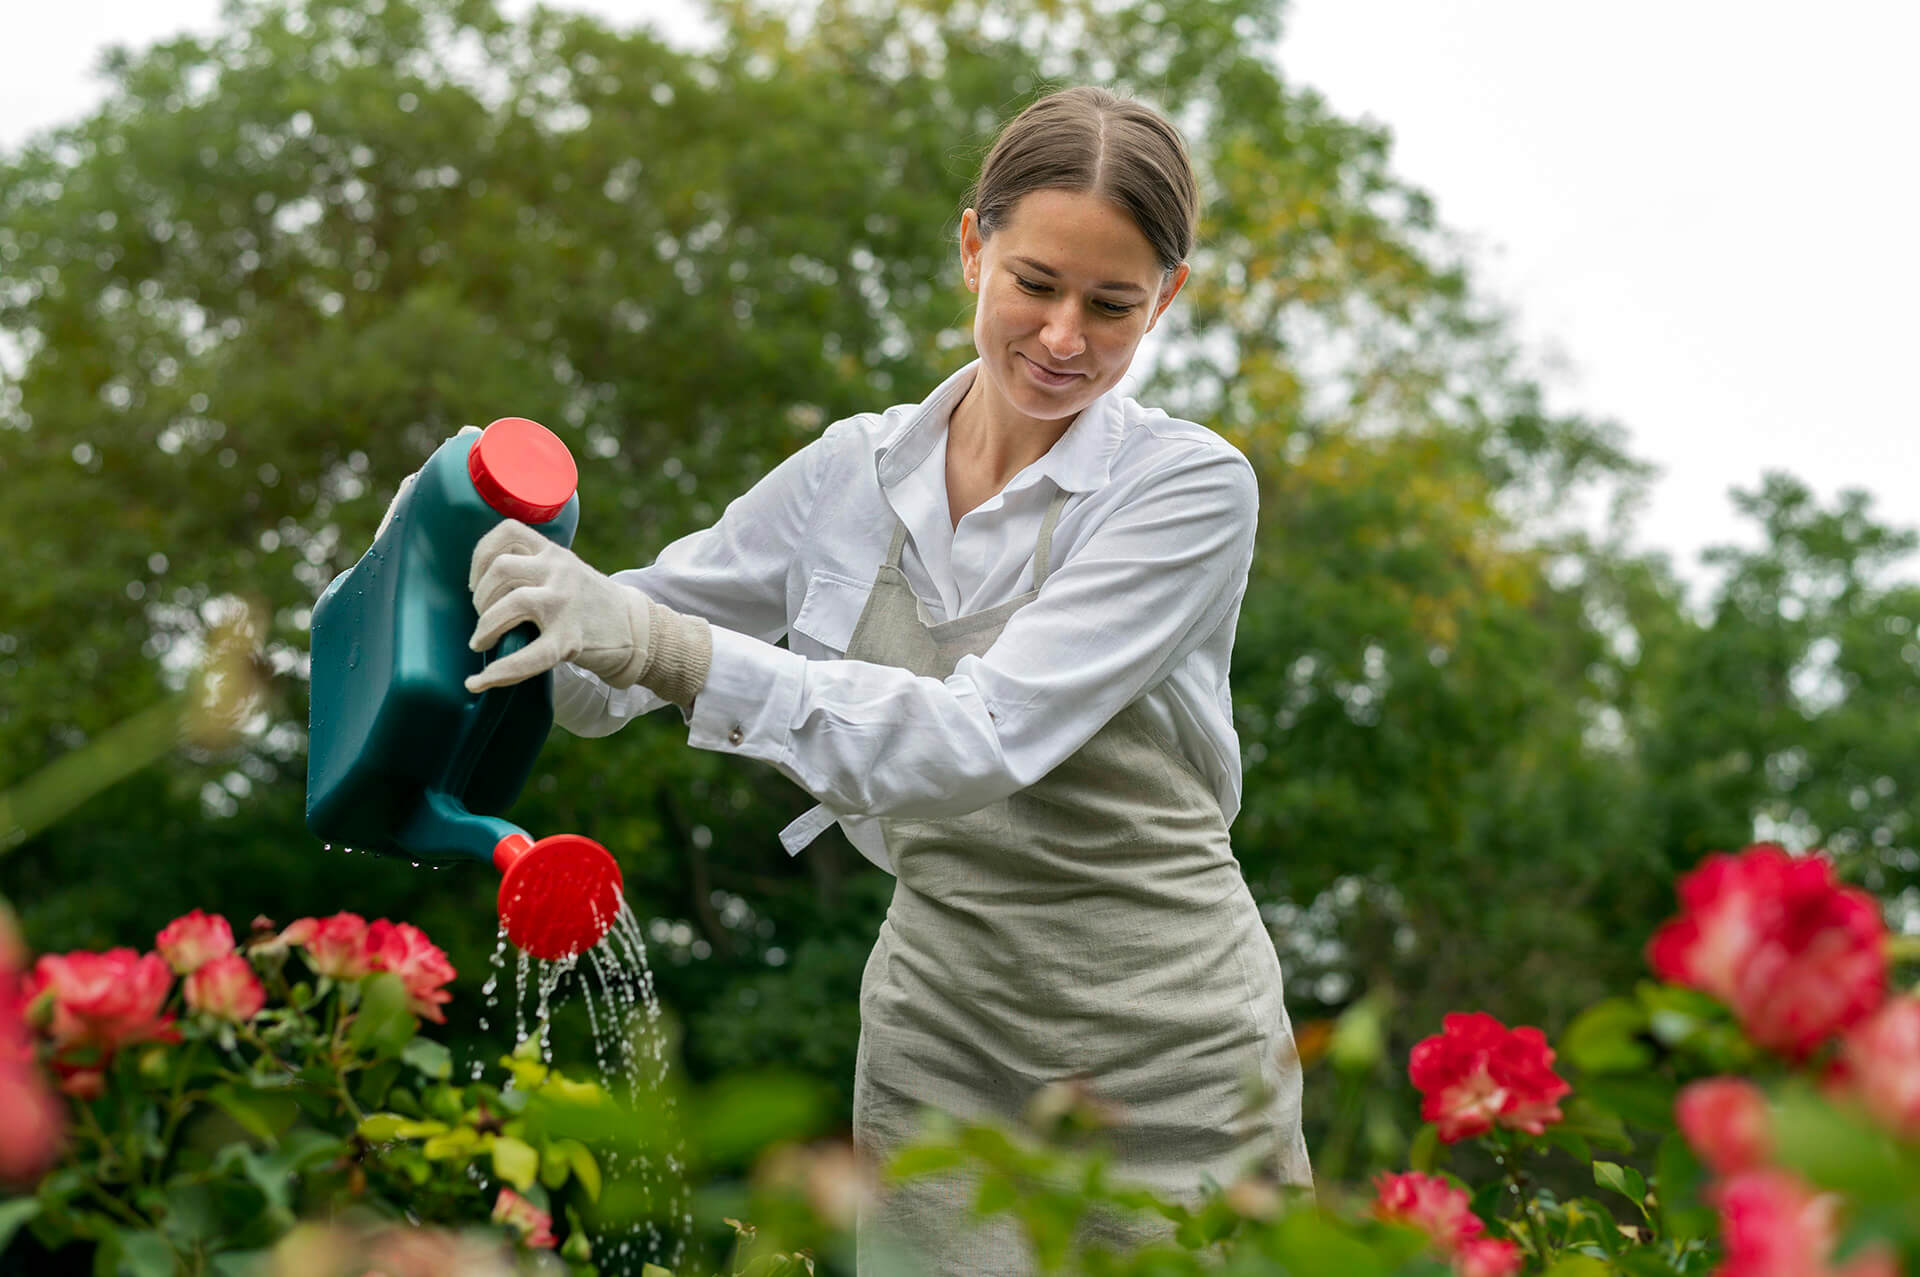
(280,263)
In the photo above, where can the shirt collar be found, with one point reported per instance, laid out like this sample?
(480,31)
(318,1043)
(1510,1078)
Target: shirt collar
(1080,461)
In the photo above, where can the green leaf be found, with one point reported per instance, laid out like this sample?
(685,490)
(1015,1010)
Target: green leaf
(263,1116)
(585,1168)
(383,1025)
(1425,1152)
(1577,1266)
(13,1214)
(1359,1039)
(997,1193)
(1605,1038)
(1643,1101)
(145,1254)
(379,1128)
(923,1159)
(429,1057)
(1621,1179)
(1680,1178)
(515,1161)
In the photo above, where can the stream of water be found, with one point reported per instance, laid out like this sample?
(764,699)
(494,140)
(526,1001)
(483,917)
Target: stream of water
(615,982)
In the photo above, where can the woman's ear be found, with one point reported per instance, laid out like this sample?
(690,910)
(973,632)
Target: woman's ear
(970,245)
(1167,292)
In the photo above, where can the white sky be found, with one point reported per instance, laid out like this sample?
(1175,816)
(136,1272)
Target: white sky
(1704,208)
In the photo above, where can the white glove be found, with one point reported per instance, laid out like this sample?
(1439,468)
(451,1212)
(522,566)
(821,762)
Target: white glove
(584,616)
(407,482)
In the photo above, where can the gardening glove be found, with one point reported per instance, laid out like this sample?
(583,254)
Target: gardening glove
(406,483)
(584,616)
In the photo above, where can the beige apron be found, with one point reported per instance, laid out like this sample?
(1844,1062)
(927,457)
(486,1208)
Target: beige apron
(1095,923)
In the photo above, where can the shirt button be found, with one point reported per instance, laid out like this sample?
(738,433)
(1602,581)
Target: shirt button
(734,737)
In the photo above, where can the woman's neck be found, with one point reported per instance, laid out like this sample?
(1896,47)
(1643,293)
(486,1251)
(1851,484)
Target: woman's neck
(995,446)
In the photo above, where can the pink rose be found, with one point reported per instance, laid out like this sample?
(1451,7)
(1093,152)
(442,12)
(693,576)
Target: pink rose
(227,989)
(1880,1061)
(335,946)
(402,948)
(1429,1204)
(534,1225)
(1725,1120)
(105,1000)
(194,939)
(30,1123)
(1487,1257)
(1794,954)
(1476,1074)
(1772,1224)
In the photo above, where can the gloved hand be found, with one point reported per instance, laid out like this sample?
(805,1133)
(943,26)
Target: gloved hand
(583,615)
(406,483)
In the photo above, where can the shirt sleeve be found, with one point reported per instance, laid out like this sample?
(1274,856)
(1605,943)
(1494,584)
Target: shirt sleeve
(733,573)
(1165,568)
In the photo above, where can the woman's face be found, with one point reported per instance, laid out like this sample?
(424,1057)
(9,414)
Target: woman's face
(1068,286)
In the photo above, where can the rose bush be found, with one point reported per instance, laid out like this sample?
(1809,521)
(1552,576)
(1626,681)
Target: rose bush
(1728,1126)
(219,1091)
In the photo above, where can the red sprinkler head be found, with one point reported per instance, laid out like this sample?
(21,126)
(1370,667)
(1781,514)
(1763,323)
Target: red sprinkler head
(559,896)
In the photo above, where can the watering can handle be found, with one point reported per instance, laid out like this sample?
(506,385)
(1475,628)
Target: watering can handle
(486,713)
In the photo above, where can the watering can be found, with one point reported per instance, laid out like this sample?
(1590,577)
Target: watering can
(401,758)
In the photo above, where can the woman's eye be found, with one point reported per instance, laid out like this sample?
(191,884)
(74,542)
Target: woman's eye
(1114,308)
(1029,285)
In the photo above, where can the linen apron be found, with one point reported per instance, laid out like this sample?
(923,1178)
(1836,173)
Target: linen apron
(1094,924)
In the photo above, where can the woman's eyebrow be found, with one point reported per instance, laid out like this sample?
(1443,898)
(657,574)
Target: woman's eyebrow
(1111,285)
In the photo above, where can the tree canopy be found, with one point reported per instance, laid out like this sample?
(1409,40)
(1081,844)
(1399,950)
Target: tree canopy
(256,287)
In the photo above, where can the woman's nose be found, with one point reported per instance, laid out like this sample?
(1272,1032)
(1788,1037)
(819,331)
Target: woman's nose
(1062,334)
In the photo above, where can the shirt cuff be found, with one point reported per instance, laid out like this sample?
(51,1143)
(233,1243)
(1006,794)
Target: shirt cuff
(750,700)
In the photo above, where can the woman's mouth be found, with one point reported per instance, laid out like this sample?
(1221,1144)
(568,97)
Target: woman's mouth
(1047,376)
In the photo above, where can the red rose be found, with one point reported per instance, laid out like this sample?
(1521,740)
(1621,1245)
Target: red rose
(1772,1224)
(227,989)
(1880,1061)
(1487,1257)
(194,939)
(534,1225)
(1476,1074)
(1725,1120)
(335,946)
(1429,1204)
(1797,956)
(105,1000)
(30,1122)
(402,948)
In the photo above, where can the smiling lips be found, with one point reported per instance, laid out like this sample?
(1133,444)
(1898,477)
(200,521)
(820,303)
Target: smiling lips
(1047,376)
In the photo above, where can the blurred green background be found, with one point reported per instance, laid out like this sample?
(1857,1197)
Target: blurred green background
(279,265)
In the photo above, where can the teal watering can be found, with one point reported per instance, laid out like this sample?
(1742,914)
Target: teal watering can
(401,758)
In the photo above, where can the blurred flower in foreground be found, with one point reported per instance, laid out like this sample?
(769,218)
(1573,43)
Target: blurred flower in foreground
(1773,1225)
(104,1000)
(30,1117)
(395,1250)
(1797,956)
(1442,1212)
(534,1225)
(1725,1120)
(1476,1074)
(1880,1064)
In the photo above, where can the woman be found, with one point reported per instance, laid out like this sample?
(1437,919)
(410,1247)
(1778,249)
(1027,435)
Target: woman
(1010,610)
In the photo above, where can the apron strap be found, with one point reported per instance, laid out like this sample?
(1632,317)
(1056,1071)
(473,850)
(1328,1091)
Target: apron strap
(1043,548)
(815,820)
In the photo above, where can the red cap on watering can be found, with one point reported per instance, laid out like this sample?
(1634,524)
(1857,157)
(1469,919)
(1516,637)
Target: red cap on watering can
(520,468)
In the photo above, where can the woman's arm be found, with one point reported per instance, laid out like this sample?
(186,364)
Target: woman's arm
(734,574)
(1166,567)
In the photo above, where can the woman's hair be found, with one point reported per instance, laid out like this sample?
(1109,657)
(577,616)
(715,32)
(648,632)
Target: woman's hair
(1087,139)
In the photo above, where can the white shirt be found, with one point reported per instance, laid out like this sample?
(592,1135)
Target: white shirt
(1148,567)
